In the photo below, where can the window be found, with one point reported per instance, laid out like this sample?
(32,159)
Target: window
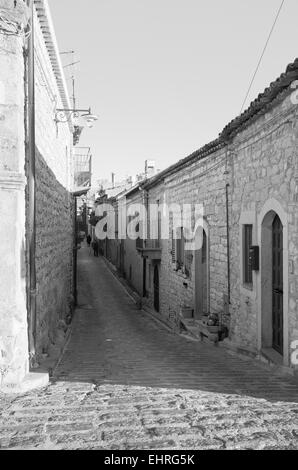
(247,243)
(188,263)
(181,257)
(180,247)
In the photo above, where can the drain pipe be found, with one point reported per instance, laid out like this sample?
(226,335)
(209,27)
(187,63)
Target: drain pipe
(75,254)
(31,190)
(227,186)
(228,243)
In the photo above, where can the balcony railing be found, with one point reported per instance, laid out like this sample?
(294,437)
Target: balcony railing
(149,248)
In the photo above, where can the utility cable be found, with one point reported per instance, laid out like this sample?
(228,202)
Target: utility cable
(262,55)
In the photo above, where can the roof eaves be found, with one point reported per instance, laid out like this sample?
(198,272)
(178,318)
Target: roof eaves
(48,31)
(197,155)
(263,102)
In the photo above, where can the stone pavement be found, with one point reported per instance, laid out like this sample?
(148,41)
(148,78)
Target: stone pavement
(125,382)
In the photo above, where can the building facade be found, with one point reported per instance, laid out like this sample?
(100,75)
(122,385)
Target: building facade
(245,268)
(36,180)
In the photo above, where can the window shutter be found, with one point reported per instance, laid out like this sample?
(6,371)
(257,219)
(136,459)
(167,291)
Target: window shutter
(188,263)
(173,248)
(247,242)
(182,241)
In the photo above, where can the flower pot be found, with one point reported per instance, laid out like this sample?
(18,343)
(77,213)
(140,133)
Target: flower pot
(187,312)
(213,329)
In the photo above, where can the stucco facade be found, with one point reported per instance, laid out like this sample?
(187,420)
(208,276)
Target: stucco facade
(54,205)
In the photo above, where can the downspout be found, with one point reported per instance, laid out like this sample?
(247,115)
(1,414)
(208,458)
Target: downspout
(31,191)
(227,186)
(228,244)
(75,254)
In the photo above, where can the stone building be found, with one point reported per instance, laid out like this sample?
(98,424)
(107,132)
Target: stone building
(36,202)
(246,266)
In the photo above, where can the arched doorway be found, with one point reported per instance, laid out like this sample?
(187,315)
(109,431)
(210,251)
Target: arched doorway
(272,283)
(156,288)
(201,274)
(277,285)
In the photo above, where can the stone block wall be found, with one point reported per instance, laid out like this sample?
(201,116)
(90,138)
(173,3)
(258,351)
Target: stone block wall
(14,364)
(202,182)
(54,244)
(54,203)
(264,168)
(133,261)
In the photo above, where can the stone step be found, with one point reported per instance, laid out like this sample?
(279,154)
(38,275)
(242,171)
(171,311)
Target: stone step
(199,329)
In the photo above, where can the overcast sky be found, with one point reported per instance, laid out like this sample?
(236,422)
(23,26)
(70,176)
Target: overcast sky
(165,76)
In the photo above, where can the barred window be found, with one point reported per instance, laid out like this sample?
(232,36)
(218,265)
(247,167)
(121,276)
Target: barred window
(247,243)
(180,247)
(173,247)
(188,262)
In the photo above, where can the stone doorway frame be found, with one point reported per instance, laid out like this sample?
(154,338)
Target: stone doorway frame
(156,288)
(266,216)
(206,229)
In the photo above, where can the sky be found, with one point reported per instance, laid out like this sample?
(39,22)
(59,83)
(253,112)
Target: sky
(166,76)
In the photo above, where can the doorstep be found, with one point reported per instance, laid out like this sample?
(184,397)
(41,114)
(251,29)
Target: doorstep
(199,329)
(271,356)
(267,357)
(192,327)
(234,347)
(32,381)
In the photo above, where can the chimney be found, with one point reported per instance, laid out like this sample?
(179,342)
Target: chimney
(113,180)
(149,168)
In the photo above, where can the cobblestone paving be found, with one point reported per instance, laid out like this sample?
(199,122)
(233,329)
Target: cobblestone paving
(127,383)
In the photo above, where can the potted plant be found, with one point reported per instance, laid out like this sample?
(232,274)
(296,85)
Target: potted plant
(213,323)
(186,311)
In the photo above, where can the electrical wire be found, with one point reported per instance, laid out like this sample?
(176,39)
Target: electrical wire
(262,55)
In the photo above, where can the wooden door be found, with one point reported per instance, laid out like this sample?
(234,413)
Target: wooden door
(201,279)
(277,285)
(156,288)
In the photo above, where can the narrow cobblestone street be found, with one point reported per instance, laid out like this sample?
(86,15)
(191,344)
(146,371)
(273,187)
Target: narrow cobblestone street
(125,382)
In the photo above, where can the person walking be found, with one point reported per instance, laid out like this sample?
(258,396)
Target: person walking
(88,240)
(95,247)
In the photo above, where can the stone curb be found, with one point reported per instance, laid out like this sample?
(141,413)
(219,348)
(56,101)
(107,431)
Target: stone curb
(136,298)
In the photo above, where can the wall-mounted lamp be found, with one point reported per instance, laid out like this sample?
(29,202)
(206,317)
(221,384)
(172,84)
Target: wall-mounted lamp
(89,118)
(84,115)
(65,115)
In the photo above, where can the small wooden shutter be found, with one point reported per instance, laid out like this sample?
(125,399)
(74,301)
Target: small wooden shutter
(247,245)
(180,247)
(173,247)
(182,242)
(188,258)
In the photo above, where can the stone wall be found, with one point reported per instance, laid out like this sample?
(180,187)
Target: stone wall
(133,261)
(54,205)
(202,182)
(54,243)
(264,168)
(13,313)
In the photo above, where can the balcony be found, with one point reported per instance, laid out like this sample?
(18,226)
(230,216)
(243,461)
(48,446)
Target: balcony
(82,167)
(150,249)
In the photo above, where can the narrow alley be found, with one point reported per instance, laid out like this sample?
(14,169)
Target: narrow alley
(126,382)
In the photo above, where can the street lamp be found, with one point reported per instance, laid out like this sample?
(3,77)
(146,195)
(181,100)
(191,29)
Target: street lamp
(66,115)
